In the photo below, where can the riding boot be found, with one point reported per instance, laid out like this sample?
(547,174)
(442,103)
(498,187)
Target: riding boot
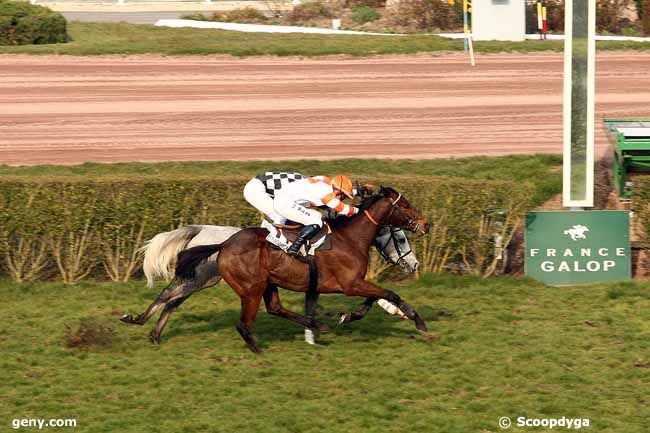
(306,233)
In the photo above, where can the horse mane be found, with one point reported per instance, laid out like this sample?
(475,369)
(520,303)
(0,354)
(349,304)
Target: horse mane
(365,204)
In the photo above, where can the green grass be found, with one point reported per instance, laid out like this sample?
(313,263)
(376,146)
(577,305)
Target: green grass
(512,348)
(541,170)
(123,38)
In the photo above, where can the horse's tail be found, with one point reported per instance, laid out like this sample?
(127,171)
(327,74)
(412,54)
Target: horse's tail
(161,250)
(190,258)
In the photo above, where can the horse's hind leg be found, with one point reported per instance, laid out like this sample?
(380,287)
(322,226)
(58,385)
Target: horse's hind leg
(156,305)
(170,307)
(207,275)
(249,307)
(167,295)
(174,303)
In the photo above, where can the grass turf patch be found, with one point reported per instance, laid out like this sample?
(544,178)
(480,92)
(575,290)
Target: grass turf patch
(511,347)
(123,38)
(541,170)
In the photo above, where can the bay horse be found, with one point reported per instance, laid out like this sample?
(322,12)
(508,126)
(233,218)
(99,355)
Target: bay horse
(254,269)
(160,253)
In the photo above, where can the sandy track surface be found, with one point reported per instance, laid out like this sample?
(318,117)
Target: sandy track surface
(67,110)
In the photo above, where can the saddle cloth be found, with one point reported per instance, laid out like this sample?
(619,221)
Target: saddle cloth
(283,236)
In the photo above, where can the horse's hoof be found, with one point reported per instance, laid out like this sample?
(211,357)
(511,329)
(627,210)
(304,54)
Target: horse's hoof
(323,328)
(345,318)
(255,349)
(127,318)
(420,325)
(155,339)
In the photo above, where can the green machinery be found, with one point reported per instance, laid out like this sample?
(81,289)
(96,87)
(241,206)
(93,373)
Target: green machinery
(631,141)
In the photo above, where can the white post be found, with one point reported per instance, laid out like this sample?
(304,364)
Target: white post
(579,92)
(472,60)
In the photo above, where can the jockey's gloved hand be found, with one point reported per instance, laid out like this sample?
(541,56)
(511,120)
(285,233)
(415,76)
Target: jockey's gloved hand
(356,191)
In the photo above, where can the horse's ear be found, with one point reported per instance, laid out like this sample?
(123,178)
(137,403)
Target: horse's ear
(367,190)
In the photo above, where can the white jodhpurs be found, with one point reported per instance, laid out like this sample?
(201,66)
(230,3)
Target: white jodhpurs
(255,194)
(291,210)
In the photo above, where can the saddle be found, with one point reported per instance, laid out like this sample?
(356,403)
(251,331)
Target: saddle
(283,235)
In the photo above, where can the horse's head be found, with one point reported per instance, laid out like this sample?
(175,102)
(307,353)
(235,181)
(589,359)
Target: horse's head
(402,214)
(366,190)
(392,244)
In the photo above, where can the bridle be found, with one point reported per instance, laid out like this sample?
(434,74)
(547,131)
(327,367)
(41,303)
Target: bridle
(398,249)
(412,223)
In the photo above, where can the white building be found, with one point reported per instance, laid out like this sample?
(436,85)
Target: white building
(500,20)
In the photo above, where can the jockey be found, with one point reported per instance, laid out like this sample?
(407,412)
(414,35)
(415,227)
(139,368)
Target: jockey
(260,190)
(295,200)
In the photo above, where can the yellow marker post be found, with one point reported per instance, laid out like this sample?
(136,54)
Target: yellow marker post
(467,9)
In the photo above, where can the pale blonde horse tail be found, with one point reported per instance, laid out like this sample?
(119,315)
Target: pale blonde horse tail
(160,252)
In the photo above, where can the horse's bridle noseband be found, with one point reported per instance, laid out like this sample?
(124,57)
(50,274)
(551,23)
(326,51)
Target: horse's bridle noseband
(394,206)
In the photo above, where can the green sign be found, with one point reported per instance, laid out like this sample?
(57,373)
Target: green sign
(578,247)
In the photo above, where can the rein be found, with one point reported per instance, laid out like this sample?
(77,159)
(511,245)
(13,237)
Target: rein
(372,220)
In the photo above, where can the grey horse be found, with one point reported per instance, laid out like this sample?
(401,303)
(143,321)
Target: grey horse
(160,254)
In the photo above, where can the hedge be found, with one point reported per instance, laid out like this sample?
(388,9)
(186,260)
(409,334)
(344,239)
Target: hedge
(641,207)
(22,23)
(74,228)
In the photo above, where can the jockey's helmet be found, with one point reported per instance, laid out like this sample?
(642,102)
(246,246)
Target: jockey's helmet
(343,184)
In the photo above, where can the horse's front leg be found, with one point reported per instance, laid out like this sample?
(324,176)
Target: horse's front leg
(370,290)
(311,301)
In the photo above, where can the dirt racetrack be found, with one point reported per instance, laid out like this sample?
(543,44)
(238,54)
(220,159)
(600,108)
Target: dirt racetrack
(67,110)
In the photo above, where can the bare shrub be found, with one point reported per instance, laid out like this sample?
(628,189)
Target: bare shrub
(309,11)
(644,14)
(436,246)
(241,15)
(278,8)
(608,15)
(23,252)
(364,14)
(426,15)
(351,4)
(120,247)
(25,259)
